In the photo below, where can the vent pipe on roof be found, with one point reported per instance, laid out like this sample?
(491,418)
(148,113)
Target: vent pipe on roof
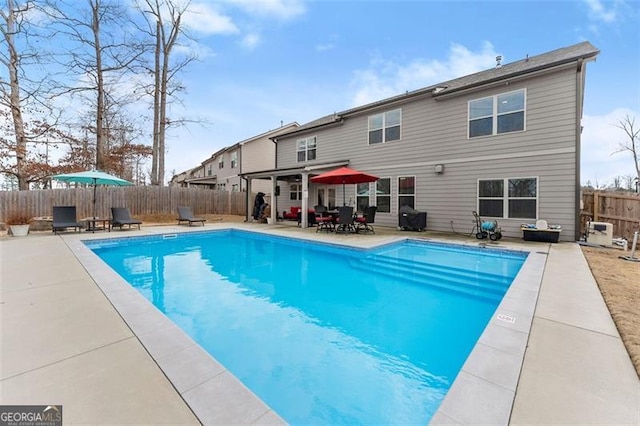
(498,61)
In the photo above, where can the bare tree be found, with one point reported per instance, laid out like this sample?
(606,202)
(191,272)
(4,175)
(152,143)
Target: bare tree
(102,52)
(12,94)
(628,125)
(164,20)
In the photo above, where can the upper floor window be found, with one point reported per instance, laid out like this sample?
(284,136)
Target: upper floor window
(209,171)
(518,201)
(234,159)
(497,114)
(221,162)
(306,149)
(385,127)
(407,191)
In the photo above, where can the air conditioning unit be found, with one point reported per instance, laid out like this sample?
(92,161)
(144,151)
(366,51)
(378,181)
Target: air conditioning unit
(600,233)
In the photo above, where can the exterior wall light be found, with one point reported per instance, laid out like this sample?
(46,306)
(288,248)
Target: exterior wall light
(439,169)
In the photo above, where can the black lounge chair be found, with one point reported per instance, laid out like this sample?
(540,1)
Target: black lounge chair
(186,215)
(364,223)
(65,217)
(120,216)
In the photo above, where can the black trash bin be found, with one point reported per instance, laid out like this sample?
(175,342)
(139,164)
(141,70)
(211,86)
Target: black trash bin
(411,219)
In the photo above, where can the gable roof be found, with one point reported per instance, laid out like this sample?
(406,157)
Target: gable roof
(558,57)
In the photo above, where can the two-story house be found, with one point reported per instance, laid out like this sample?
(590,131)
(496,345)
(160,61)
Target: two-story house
(222,170)
(504,142)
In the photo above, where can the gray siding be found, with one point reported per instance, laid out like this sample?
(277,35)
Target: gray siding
(435,131)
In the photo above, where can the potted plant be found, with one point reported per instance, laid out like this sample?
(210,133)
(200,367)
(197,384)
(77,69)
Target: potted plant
(18,223)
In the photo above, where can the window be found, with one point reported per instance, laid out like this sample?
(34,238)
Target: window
(221,162)
(497,114)
(209,171)
(385,127)
(295,191)
(362,196)
(407,191)
(235,187)
(383,195)
(222,187)
(234,159)
(519,201)
(306,149)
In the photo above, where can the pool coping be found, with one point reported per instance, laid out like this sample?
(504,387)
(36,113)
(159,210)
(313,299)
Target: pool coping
(483,392)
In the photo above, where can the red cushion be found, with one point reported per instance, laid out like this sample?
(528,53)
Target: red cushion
(295,210)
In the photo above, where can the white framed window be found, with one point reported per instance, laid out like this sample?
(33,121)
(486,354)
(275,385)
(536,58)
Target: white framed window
(383,195)
(209,170)
(407,191)
(362,196)
(235,187)
(221,162)
(295,191)
(234,159)
(511,198)
(494,115)
(222,187)
(306,149)
(385,127)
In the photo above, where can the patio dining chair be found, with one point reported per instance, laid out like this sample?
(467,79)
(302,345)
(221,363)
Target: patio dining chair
(65,217)
(363,223)
(121,216)
(345,220)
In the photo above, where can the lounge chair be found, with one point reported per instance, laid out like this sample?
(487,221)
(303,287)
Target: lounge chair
(65,217)
(186,215)
(364,222)
(120,216)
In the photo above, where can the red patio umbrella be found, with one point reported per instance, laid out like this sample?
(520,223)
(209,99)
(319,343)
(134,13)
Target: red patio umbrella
(344,175)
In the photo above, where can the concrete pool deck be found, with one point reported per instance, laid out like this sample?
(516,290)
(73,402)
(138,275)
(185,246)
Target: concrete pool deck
(64,342)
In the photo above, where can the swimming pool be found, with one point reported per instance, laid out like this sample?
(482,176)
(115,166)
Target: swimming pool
(322,333)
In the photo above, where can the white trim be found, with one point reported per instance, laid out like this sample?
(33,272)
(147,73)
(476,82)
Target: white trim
(495,115)
(505,196)
(384,127)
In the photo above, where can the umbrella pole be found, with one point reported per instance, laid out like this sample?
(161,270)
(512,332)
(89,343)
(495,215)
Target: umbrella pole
(94,198)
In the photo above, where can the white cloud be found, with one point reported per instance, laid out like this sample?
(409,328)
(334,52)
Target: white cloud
(600,140)
(204,19)
(251,40)
(323,47)
(278,9)
(386,78)
(598,12)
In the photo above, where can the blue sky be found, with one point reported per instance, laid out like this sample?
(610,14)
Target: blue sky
(263,62)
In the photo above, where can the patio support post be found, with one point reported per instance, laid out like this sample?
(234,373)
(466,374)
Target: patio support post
(274,204)
(248,207)
(304,222)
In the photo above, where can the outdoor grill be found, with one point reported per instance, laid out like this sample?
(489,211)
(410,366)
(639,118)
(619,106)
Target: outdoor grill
(411,219)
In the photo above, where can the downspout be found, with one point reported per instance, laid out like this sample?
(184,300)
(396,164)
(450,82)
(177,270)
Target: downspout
(580,78)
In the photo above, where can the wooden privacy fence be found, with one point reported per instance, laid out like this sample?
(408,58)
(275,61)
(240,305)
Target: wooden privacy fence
(621,210)
(141,200)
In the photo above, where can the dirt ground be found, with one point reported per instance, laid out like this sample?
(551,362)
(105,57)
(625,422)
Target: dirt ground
(619,282)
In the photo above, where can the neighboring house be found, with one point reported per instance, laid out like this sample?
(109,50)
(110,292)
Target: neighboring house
(222,171)
(504,142)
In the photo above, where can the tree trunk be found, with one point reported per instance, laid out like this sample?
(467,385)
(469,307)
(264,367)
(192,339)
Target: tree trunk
(100,151)
(14,99)
(156,108)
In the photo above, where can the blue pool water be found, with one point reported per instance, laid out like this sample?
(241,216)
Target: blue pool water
(322,333)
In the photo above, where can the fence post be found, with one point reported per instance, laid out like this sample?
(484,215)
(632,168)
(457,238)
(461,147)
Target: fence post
(596,206)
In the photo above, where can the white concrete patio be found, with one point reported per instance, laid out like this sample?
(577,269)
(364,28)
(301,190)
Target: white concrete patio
(63,342)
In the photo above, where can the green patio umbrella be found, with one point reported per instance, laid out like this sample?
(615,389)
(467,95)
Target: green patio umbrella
(92,177)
